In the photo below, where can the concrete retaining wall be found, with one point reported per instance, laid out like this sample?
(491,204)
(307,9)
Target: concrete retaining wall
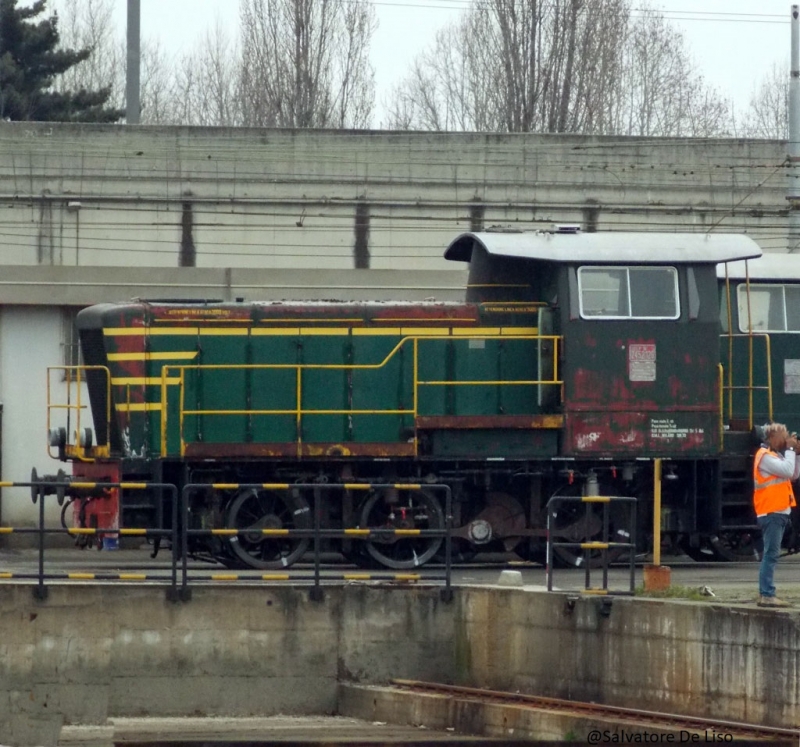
(88,653)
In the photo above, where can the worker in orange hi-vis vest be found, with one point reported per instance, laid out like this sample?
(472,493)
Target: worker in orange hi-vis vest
(774,468)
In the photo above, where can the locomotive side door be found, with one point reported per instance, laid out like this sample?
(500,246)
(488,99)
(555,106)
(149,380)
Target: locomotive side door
(641,369)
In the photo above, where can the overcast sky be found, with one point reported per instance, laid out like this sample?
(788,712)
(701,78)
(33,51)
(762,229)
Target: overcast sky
(733,42)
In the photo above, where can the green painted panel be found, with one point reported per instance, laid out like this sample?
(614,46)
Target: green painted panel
(153,370)
(274,388)
(390,387)
(478,360)
(434,366)
(325,389)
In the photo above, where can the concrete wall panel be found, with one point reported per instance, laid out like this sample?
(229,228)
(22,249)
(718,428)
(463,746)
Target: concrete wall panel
(273,198)
(89,653)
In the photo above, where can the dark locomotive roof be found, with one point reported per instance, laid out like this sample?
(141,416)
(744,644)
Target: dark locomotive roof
(608,248)
(778,267)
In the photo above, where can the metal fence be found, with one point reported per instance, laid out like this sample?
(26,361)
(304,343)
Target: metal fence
(178,579)
(605,545)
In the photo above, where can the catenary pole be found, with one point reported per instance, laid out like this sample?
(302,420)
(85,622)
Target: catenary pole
(793,187)
(132,104)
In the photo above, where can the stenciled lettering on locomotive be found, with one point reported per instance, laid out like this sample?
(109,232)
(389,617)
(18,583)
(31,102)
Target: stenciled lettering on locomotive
(667,429)
(642,361)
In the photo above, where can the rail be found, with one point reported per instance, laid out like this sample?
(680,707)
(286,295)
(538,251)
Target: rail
(603,545)
(628,721)
(172,373)
(178,579)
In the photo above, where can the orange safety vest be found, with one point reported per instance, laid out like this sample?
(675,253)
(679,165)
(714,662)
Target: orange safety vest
(770,494)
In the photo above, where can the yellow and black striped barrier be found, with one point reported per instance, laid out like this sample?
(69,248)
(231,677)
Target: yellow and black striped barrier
(60,486)
(180,532)
(317,533)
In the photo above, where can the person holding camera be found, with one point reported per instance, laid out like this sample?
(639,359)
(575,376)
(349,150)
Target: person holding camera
(774,469)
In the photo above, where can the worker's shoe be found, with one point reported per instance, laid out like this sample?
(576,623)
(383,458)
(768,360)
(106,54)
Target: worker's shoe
(772,602)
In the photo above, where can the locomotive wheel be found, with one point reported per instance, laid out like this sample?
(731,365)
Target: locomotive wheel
(571,524)
(253,510)
(735,546)
(404,509)
(702,553)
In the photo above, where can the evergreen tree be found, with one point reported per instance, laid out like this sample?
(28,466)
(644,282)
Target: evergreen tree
(30,60)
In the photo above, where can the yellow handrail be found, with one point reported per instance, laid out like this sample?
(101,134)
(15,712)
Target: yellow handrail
(298,412)
(750,388)
(78,407)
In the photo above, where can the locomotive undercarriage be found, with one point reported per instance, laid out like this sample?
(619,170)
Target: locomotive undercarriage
(496,508)
(499,507)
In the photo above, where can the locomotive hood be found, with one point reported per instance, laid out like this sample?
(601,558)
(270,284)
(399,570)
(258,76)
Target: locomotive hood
(608,248)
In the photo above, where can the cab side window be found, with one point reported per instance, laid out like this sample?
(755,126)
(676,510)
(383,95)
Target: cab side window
(628,292)
(773,307)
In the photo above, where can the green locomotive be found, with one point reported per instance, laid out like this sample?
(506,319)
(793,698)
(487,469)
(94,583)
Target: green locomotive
(575,360)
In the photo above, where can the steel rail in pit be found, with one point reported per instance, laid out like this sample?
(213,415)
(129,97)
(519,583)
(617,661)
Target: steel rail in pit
(738,729)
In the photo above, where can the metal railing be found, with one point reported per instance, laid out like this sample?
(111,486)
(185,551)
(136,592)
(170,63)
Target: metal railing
(317,533)
(751,387)
(603,545)
(178,579)
(45,488)
(178,373)
(75,376)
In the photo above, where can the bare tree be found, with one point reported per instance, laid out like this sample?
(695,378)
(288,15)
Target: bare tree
(207,82)
(558,66)
(305,63)
(159,105)
(89,24)
(659,92)
(768,114)
(517,66)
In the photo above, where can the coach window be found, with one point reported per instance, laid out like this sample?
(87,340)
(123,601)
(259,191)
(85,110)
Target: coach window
(628,292)
(774,308)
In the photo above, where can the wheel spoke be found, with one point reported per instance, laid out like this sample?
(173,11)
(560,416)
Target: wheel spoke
(413,510)
(251,511)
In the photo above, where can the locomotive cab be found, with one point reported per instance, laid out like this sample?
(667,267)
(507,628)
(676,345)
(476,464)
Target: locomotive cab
(638,317)
(760,357)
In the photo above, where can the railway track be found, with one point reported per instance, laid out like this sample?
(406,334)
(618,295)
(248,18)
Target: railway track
(633,718)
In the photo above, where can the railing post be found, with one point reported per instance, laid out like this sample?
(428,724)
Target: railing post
(172,592)
(186,593)
(447,592)
(316,594)
(40,592)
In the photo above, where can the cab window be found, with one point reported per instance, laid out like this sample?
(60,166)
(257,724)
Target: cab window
(628,292)
(774,307)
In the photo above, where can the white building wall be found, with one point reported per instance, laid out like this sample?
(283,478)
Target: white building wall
(30,341)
